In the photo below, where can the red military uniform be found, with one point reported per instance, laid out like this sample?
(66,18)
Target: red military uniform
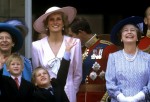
(144,43)
(95,58)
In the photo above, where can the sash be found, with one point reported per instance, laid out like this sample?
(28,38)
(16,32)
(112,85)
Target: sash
(88,62)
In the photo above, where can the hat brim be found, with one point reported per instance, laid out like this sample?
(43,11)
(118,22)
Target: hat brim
(130,20)
(39,24)
(19,24)
(15,33)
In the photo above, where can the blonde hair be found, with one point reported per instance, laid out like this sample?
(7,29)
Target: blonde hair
(33,79)
(14,56)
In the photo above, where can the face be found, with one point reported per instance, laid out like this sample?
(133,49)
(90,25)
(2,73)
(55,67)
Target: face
(55,22)
(129,34)
(147,18)
(80,35)
(6,42)
(42,78)
(15,67)
(71,34)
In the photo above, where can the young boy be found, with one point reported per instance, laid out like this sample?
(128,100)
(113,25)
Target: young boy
(52,90)
(14,87)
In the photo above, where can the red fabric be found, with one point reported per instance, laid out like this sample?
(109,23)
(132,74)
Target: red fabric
(144,43)
(17,82)
(89,96)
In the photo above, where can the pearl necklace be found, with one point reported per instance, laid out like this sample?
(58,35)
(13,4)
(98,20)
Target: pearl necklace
(130,59)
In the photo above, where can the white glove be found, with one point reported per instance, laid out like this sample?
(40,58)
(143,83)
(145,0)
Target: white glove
(121,98)
(130,99)
(140,96)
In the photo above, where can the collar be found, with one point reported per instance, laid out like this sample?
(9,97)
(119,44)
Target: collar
(148,33)
(19,78)
(92,41)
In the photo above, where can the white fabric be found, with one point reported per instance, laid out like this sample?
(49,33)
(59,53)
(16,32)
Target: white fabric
(139,97)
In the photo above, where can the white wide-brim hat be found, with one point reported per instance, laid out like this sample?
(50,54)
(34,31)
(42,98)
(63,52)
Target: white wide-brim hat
(68,11)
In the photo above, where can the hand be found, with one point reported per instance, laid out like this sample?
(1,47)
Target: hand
(139,96)
(122,98)
(70,43)
(130,99)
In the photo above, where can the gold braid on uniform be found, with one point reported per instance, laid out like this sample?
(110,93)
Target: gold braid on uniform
(105,98)
(88,44)
(106,42)
(148,33)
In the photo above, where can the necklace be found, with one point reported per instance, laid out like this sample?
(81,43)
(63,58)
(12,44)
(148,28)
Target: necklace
(132,58)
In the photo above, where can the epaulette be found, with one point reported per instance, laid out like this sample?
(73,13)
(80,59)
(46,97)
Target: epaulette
(106,42)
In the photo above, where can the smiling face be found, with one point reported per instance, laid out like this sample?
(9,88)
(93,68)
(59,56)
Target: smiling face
(41,78)
(129,34)
(55,22)
(6,42)
(14,65)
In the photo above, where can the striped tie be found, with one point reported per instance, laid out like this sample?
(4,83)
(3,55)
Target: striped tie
(17,82)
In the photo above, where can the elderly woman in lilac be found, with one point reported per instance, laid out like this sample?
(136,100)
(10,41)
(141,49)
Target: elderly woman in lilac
(128,70)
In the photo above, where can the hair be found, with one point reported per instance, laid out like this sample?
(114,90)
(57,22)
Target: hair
(146,11)
(14,56)
(80,24)
(145,27)
(33,79)
(139,34)
(64,19)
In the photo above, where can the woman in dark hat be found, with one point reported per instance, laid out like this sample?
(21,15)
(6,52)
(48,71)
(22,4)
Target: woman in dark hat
(10,41)
(19,25)
(128,70)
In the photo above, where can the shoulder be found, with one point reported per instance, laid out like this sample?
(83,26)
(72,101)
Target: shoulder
(106,42)
(68,37)
(41,41)
(116,53)
(27,83)
(145,55)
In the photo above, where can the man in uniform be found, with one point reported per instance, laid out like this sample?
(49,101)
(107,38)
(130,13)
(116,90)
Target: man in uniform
(145,41)
(95,57)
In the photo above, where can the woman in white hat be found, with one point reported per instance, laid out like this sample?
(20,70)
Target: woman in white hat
(49,51)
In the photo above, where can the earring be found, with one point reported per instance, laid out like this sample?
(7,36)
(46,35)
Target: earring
(121,40)
(63,28)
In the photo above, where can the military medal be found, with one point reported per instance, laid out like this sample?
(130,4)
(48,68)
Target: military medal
(96,66)
(93,75)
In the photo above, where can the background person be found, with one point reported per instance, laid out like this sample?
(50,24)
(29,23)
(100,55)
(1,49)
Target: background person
(145,41)
(94,60)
